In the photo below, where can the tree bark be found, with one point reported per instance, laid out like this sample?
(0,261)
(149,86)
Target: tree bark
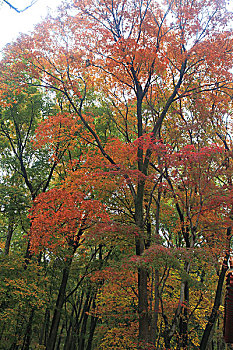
(93,324)
(142,271)
(28,332)
(10,230)
(58,308)
(184,320)
(155,308)
(44,328)
(217,302)
(85,315)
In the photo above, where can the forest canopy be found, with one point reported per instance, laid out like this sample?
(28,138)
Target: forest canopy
(116,177)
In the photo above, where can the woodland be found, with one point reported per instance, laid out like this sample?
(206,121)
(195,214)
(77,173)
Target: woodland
(116,177)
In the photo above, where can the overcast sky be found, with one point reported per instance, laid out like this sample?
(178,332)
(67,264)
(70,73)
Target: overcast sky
(12,23)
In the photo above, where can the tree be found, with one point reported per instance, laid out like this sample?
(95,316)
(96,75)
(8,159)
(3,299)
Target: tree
(152,66)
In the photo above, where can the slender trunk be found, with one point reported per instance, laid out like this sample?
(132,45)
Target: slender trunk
(155,296)
(217,302)
(58,308)
(44,329)
(85,313)
(72,333)
(140,240)
(143,305)
(184,320)
(157,213)
(10,230)
(60,337)
(67,345)
(93,324)
(142,272)
(155,308)
(28,255)
(28,332)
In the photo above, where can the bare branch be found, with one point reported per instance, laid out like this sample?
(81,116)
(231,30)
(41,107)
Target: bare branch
(18,10)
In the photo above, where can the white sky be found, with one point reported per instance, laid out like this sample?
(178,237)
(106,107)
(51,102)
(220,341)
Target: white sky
(12,23)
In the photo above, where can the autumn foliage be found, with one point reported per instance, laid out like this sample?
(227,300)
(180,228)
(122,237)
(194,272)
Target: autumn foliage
(115,124)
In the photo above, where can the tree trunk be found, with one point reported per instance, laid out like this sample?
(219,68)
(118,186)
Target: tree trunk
(44,329)
(68,339)
(10,230)
(85,315)
(214,314)
(60,337)
(142,272)
(94,320)
(28,332)
(155,308)
(58,308)
(184,320)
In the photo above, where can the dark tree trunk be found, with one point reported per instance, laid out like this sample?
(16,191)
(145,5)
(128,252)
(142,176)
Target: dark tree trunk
(142,272)
(72,335)
(217,302)
(68,339)
(184,320)
(58,308)
(85,312)
(28,332)
(60,337)
(44,329)
(10,230)
(155,308)
(93,324)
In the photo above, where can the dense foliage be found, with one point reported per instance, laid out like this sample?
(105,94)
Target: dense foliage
(116,177)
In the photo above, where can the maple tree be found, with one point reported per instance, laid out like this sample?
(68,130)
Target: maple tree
(142,92)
